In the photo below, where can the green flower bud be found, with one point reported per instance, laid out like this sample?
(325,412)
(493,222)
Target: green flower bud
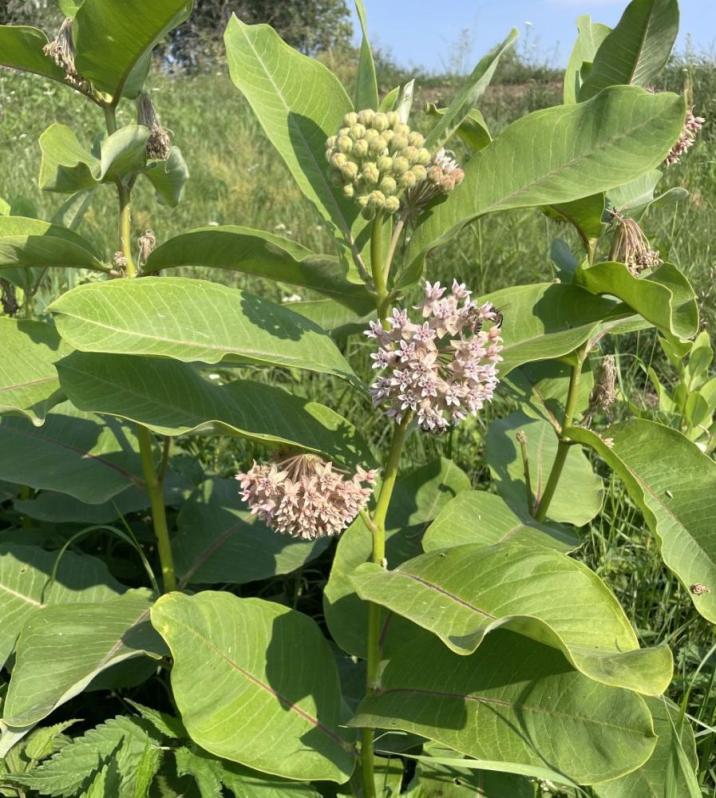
(424,157)
(350,171)
(344,131)
(400,165)
(366,117)
(416,139)
(338,159)
(357,131)
(388,135)
(345,144)
(411,153)
(350,119)
(407,180)
(370,172)
(392,204)
(380,122)
(363,200)
(376,199)
(378,146)
(360,148)
(330,142)
(402,129)
(388,185)
(399,142)
(420,172)
(393,118)
(349,190)
(385,163)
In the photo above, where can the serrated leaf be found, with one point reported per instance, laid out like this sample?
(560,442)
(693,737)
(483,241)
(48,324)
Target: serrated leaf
(263,255)
(21,48)
(674,484)
(192,320)
(242,666)
(28,379)
(475,516)
(44,742)
(220,542)
(514,700)
(558,155)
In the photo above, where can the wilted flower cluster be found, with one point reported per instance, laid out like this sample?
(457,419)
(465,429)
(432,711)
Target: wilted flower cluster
(375,156)
(305,496)
(692,125)
(62,51)
(159,143)
(443,368)
(631,247)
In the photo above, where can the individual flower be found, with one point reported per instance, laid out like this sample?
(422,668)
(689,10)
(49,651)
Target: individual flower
(692,126)
(442,368)
(305,496)
(631,247)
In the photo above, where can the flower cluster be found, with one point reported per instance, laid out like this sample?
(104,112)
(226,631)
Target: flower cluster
(692,125)
(443,368)
(443,175)
(159,143)
(375,156)
(305,496)
(631,247)
(62,51)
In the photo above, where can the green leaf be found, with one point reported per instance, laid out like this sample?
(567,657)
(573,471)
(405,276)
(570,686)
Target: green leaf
(469,94)
(83,455)
(674,484)
(472,131)
(28,379)
(475,516)
(111,39)
(366,91)
(418,498)
(25,588)
(242,666)
(192,320)
(47,740)
(63,648)
(637,49)
(299,103)
(168,177)
(585,215)
(463,593)
(633,197)
(219,541)
(173,398)
(670,769)
(505,461)
(122,738)
(331,316)
(664,297)
(31,242)
(544,321)
(590,35)
(263,255)
(558,155)
(21,48)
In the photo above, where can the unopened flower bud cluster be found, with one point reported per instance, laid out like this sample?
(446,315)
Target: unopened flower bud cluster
(305,496)
(375,157)
(443,175)
(442,368)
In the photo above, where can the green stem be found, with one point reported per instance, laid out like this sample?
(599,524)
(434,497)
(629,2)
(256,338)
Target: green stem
(155,488)
(377,528)
(564,443)
(378,267)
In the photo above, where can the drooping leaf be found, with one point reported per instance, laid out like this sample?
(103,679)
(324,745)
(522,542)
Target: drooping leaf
(558,155)
(366,91)
(83,455)
(585,215)
(172,398)
(299,103)
(219,541)
(515,700)
(25,587)
(168,177)
(467,97)
(111,40)
(21,48)
(590,35)
(192,320)
(242,666)
(28,379)
(664,297)
(475,516)
(418,498)
(264,255)
(674,484)
(637,49)
(32,243)
(464,593)
(63,648)
(505,460)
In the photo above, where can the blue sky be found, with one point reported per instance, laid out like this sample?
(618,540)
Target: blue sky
(429,34)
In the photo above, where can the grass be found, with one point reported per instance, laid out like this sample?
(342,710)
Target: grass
(238,179)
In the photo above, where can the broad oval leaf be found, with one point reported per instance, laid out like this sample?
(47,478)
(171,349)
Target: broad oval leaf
(637,49)
(33,243)
(590,35)
(463,593)
(21,47)
(168,177)
(514,700)
(28,378)
(242,666)
(558,155)
(264,255)
(475,516)
(192,320)
(111,39)
(674,484)
(173,398)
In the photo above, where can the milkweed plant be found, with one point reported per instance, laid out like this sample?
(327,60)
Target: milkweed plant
(461,648)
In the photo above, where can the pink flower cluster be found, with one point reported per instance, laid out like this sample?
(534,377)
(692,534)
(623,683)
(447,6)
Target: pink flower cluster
(691,128)
(442,369)
(304,496)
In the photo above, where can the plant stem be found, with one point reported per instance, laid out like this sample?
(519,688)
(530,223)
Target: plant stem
(155,488)
(377,527)
(564,442)
(378,267)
